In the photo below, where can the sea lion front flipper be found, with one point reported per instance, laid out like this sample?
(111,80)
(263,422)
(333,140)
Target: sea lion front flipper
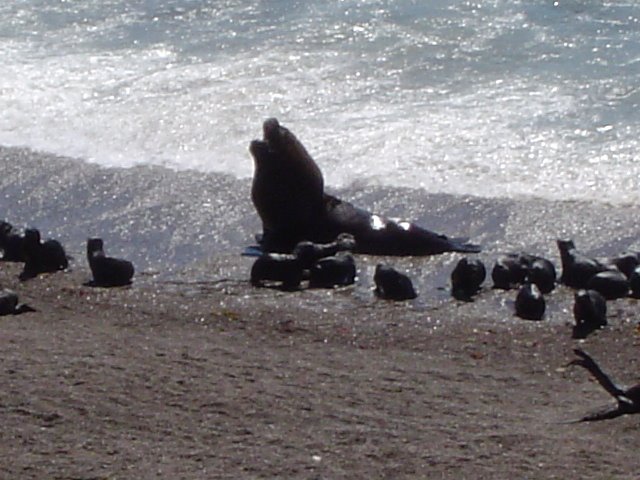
(603,379)
(604,413)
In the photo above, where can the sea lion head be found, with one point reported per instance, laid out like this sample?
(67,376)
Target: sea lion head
(271,130)
(95,247)
(259,151)
(31,237)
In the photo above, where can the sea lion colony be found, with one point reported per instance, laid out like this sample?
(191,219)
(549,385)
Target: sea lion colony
(309,238)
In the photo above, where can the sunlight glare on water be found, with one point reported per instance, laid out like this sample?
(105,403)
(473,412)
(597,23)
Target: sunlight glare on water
(489,98)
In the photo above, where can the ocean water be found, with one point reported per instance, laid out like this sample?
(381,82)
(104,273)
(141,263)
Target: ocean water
(496,98)
(402,103)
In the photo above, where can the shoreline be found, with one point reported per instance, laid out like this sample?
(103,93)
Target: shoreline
(224,380)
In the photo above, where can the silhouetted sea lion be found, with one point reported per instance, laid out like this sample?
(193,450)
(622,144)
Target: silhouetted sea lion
(611,284)
(309,253)
(11,243)
(530,303)
(335,271)
(466,278)
(577,268)
(393,285)
(288,193)
(513,269)
(625,262)
(287,189)
(284,269)
(628,399)
(41,257)
(509,271)
(107,271)
(9,303)
(589,312)
(542,273)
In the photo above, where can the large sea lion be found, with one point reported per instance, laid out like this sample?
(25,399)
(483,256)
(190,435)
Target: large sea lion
(287,189)
(288,193)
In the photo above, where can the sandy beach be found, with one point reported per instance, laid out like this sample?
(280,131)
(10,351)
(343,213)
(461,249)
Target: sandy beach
(216,379)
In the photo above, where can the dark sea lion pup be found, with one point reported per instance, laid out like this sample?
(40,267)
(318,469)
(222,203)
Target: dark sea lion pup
(628,399)
(509,271)
(11,243)
(41,257)
(107,271)
(577,268)
(589,312)
(283,270)
(9,304)
(466,278)
(335,271)
(611,284)
(288,193)
(542,273)
(530,303)
(309,253)
(393,285)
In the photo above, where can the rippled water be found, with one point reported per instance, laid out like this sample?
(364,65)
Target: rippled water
(496,98)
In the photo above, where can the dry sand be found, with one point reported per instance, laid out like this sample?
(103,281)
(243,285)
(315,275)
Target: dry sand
(220,380)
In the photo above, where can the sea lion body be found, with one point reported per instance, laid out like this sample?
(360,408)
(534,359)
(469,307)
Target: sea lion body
(626,262)
(107,271)
(287,188)
(393,285)
(288,194)
(577,268)
(611,284)
(41,257)
(377,235)
(309,253)
(542,273)
(466,278)
(509,271)
(11,243)
(530,303)
(335,271)
(9,303)
(281,268)
(589,312)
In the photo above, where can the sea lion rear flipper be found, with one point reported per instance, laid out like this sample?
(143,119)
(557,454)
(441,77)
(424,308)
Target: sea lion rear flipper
(461,244)
(253,251)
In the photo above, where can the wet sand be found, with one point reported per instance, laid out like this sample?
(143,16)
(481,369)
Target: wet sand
(212,378)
